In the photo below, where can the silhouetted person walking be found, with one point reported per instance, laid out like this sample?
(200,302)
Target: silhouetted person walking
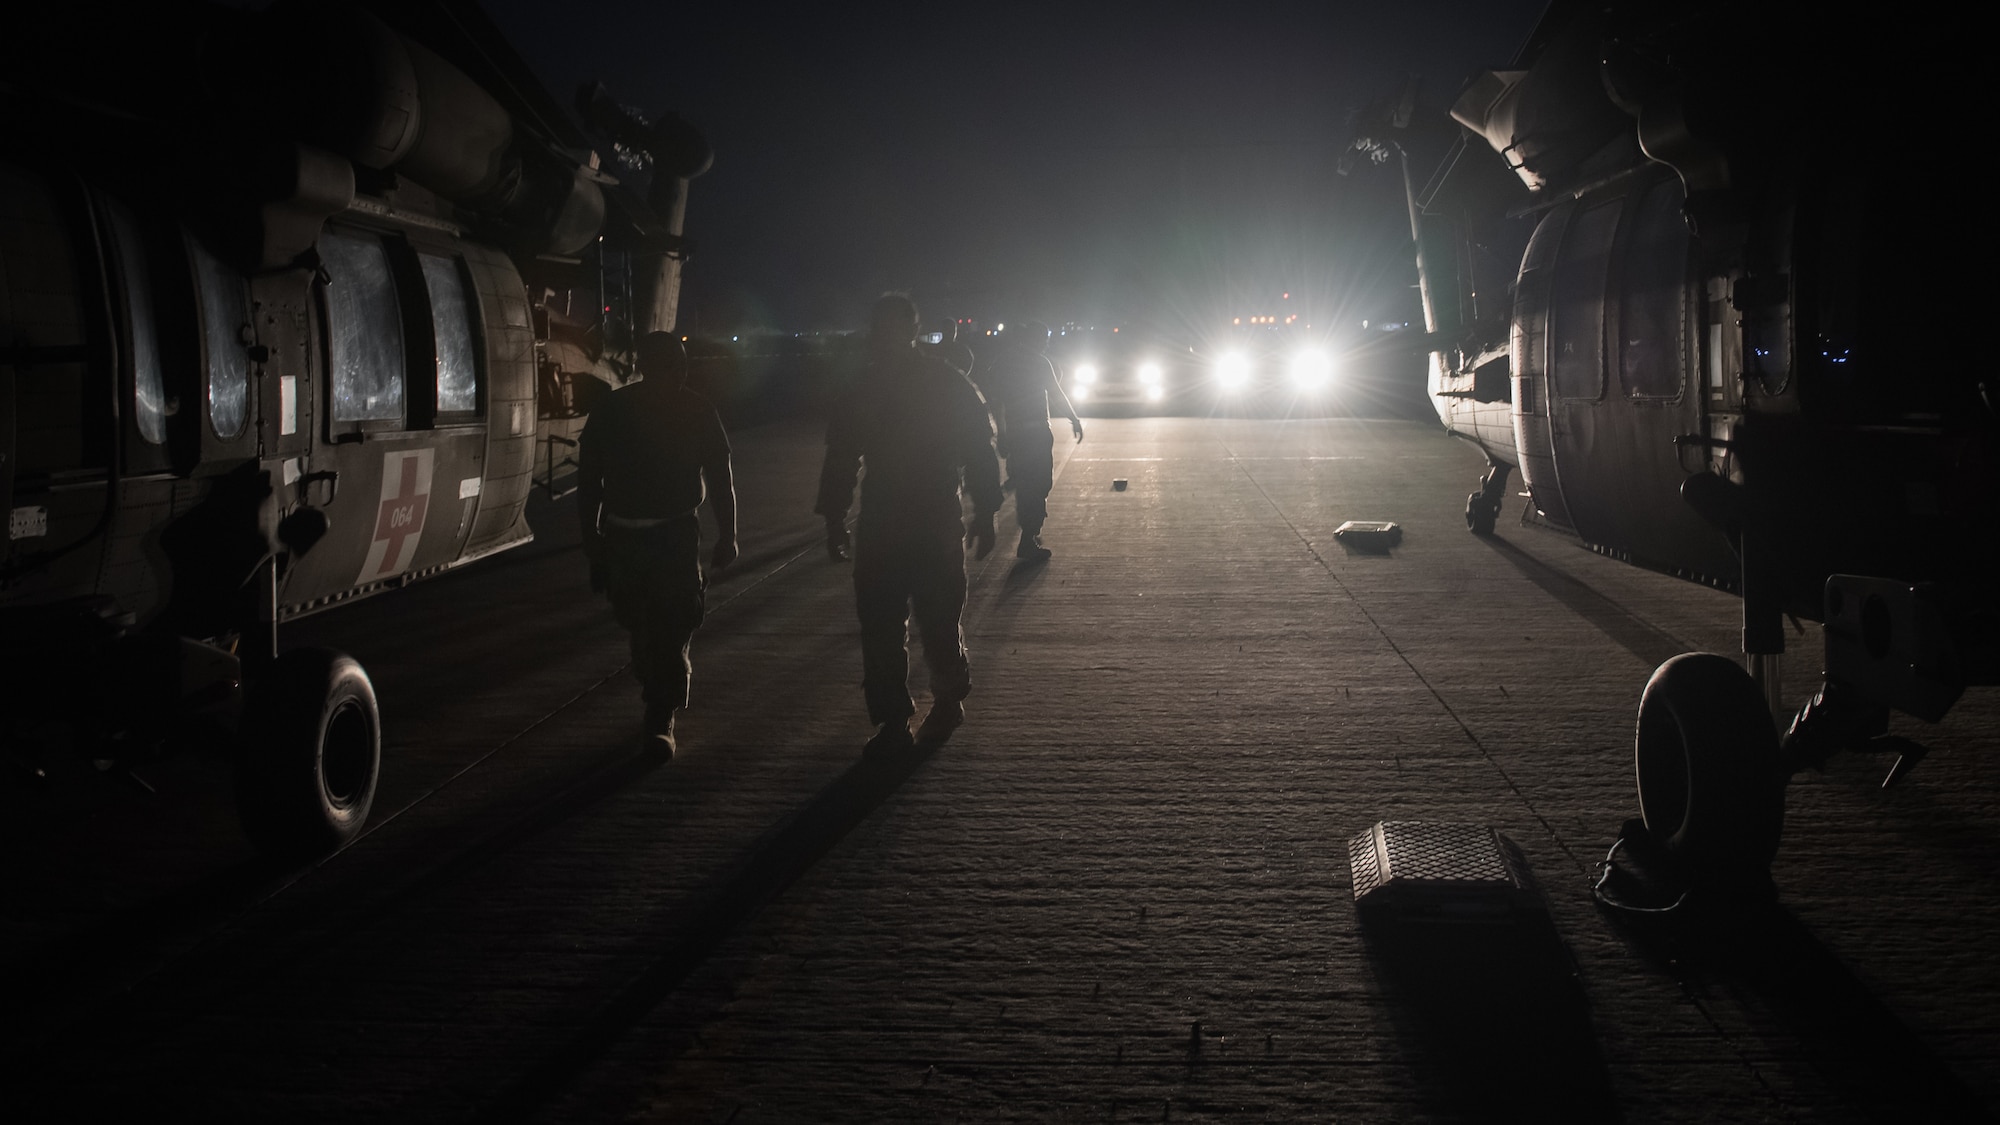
(1023,384)
(920,428)
(643,460)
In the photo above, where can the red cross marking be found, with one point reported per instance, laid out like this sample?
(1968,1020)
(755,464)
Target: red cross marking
(402,515)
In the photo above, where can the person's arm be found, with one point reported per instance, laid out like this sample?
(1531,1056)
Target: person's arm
(994,391)
(590,499)
(837,473)
(982,470)
(1057,394)
(715,472)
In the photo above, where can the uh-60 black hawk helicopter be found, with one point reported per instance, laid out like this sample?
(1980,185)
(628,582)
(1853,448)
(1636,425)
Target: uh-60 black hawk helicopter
(287,311)
(1686,268)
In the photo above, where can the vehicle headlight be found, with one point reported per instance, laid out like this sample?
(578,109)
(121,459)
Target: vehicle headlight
(1233,371)
(1079,392)
(1155,392)
(1086,374)
(1150,374)
(1312,370)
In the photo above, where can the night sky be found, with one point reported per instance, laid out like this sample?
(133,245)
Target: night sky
(1164,163)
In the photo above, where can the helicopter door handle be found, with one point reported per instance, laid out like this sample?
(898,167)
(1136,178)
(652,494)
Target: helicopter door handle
(330,477)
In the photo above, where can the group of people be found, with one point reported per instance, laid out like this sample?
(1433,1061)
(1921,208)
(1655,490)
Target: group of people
(653,451)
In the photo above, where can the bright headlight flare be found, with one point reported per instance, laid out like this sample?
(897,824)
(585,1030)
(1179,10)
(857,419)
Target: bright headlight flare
(1312,370)
(1086,374)
(1150,374)
(1079,392)
(1233,371)
(1155,392)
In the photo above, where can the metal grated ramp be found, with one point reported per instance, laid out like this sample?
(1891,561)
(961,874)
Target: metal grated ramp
(1443,870)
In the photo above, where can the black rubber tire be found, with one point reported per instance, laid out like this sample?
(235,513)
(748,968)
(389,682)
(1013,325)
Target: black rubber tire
(1480,514)
(312,753)
(1711,789)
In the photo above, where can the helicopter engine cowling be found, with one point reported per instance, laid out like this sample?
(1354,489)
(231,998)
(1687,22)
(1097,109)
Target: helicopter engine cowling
(357,87)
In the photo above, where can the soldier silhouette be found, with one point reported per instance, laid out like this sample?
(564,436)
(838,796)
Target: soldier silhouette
(920,428)
(1022,383)
(648,457)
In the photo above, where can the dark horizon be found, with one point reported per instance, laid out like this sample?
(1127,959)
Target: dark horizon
(1074,165)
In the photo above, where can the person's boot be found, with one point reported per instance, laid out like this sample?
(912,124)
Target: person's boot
(660,731)
(890,739)
(945,717)
(1031,548)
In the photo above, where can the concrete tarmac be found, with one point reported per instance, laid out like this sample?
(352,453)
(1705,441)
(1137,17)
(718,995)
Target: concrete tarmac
(1121,892)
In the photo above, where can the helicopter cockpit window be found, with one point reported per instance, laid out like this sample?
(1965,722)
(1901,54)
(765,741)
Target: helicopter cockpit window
(1652,304)
(149,391)
(457,379)
(1576,304)
(364,330)
(224,313)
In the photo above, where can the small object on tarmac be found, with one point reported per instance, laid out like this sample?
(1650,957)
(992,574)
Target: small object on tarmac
(1118,484)
(1439,870)
(1375,535)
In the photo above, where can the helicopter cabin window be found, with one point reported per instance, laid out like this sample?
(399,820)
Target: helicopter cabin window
(149,393)
(364,330)
(457,377)
(1576,304)
(1652,303)
(225,312)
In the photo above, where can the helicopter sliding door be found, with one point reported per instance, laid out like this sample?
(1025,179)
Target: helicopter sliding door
(426,412)
(1623,378)
(397,421)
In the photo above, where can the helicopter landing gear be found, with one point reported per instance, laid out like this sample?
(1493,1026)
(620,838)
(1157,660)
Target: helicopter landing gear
(312,753)
(1480,515)
(1482,508)
(1711,786)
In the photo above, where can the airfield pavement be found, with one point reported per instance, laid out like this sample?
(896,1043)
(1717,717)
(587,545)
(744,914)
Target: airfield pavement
(1121,892)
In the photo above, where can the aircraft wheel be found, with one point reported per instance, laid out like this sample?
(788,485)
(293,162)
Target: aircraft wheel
(1481,514)
(1711,790)
(313,750)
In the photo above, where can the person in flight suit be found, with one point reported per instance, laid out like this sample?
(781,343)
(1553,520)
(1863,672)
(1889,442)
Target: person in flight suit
(643,461)
(919,428)
(1023,384)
